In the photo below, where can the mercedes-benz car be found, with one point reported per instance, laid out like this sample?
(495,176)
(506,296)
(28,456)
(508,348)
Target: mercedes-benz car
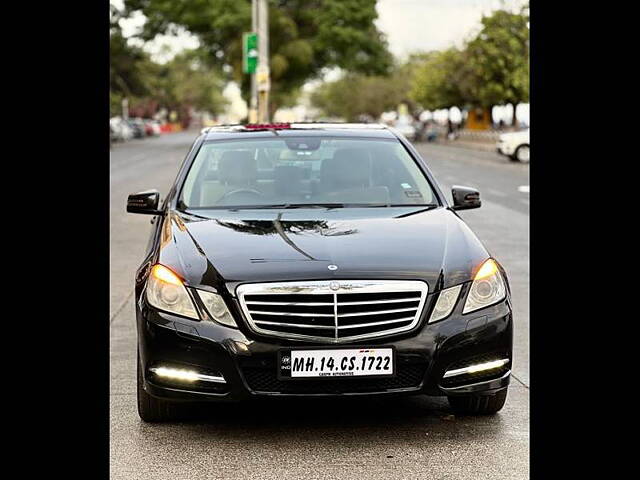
(315,260)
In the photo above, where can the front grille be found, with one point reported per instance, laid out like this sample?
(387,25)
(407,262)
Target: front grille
(333,311)
(265,380)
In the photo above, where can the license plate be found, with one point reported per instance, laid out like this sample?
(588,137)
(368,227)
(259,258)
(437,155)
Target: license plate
(356,362)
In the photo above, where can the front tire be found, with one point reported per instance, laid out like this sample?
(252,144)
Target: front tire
(522,154)
(151,409)
(478,404)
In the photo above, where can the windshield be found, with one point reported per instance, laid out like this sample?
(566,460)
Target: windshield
(300,171)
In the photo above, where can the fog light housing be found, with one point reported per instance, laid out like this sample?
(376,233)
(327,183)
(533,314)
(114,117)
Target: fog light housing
(185,375)
(476,368)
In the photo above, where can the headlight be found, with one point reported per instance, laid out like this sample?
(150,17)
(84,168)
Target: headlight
(217,308)
(487,287)
(446,301)
(166,291)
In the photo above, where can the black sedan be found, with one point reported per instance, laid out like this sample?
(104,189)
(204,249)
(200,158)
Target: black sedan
(294,260)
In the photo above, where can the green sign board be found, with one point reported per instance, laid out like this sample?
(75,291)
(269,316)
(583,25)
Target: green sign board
(249,52)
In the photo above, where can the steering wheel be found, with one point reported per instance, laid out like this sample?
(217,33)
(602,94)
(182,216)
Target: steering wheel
(250,191)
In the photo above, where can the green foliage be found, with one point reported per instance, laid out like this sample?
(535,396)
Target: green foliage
(437,82)
(131,71)
(187,81)
(356,96)
(306,36)
(499,57)
(492,69)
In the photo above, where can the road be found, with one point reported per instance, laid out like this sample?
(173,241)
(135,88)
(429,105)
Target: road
(415,437)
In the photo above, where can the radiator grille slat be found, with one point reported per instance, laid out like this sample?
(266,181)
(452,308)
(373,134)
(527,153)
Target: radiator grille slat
(292,314)
(333,311)
(376,312)
(297,325)
(373,324)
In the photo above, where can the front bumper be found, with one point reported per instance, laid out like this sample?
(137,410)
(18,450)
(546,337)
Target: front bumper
(504,148)
(248,364)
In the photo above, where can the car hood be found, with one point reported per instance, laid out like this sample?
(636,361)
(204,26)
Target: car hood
(223,248)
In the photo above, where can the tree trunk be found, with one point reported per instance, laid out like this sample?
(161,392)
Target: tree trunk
(514,120)
(273,108)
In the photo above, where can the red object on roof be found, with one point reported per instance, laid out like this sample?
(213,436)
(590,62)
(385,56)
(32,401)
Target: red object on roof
(267,126)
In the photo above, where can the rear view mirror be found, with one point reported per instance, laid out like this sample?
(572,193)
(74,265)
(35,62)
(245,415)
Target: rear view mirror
(465,198)
(144,202)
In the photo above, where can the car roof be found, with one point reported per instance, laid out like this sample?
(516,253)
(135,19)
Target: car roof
(367,130)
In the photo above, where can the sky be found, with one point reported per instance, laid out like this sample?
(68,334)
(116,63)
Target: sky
(409,25)
(412,25)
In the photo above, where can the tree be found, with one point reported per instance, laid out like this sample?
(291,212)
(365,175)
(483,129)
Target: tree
(499,59)
(306,37)
(187,82)
(439,80)
(492,69)
(403,76)
(357,97)
(130,68)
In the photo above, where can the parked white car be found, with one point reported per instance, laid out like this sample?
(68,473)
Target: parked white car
(514,145)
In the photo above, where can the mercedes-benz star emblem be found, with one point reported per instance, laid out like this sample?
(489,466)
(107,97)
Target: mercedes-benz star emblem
(334,286)
(332,267)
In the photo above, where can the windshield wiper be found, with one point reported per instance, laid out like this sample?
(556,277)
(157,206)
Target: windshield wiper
(423,208)
(301,205)
(408,205)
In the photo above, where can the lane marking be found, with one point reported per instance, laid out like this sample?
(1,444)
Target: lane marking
(520,381)
(121,307)
(523,188)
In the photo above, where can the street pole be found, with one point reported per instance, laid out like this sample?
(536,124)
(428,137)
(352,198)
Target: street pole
(263,81)
(253,106)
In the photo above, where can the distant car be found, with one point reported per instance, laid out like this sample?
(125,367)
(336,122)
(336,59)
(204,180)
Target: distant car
(431,133)
(151,127)
(514,145)
(113,134)
(137,126)
(120,130)
(157,128)
(148,129)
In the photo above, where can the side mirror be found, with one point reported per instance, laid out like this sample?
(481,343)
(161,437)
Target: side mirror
(465,198)
(144,202)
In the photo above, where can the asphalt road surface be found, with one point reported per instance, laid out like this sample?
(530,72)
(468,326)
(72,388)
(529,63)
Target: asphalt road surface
(414,437)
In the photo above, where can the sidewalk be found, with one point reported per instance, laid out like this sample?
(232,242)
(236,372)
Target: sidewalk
(482,140)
